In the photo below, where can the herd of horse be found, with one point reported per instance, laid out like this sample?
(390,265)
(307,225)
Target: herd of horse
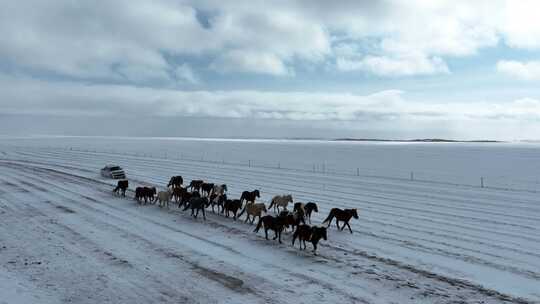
(200,195)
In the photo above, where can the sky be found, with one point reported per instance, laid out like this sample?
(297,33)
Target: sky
(389,68)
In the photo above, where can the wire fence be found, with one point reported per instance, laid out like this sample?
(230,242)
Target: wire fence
(333,168)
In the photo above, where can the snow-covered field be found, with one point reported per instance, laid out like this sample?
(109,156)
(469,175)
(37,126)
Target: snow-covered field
(65,238)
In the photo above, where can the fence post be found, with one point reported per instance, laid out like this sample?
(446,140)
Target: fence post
(249,163)
(357,171)
(412,175)
(481,182)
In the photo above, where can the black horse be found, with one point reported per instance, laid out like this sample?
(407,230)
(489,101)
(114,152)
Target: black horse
(206,189)
(250,196)
(306,233)
(176,182)
(122,186)
(186,196)
(308,209)
(178,193)
(197,203)
(195,185)
(341,216)
(231,206)
(277,224)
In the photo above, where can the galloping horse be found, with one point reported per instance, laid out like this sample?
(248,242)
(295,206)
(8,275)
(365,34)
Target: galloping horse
(218,200)
(280,201)
(306,233)
(175,181)
(206,189)
(145,193)
(178,193)
(197,203)
(274,223)
(250,196)
(293,219)
(254,210)
(195,185)
(186,196)
(122,185)
(341,216)
(306,208)
(164,198)
(219,189)
(231,206)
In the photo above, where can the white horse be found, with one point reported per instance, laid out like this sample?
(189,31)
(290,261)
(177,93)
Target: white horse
(164,198)
(280,201)
(219,190)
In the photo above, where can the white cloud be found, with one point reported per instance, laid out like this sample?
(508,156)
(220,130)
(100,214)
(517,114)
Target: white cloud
(387,66)
(250,62)
(121,39)
(22,95)
(184,74)
(529,70)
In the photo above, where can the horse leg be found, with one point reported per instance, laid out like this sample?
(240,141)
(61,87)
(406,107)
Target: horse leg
(348,226)
(279,236)
(247,218)
(266,233)
(203,214)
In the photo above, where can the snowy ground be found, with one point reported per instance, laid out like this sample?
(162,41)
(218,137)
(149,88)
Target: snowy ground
(65,238)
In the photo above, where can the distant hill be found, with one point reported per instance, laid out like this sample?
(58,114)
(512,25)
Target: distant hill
(434,140)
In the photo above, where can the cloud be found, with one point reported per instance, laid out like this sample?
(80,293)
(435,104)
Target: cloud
(388,66)
(250,62)
(118,41)
(23,95)
(185,74)
(529,70)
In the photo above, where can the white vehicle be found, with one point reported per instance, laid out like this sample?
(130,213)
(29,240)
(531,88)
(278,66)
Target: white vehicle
(113,171)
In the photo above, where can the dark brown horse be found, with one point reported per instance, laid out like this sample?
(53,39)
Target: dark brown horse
(178,193)
(186,196)
(250,196)
(273,223)
(307,209)
(198,204)
(341,216)
(195,185)
(306,233)
(145,193)
(121,186)
(207,189)
(231,206)
(176,182)
(293,219)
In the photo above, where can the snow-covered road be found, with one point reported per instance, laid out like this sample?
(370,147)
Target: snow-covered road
(65,238)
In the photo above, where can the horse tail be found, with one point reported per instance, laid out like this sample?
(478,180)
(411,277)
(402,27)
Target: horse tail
(272,204)
(329,218)
(259,225)
(243,210)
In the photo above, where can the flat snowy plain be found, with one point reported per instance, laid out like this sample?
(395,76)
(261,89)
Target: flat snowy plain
(65,238)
